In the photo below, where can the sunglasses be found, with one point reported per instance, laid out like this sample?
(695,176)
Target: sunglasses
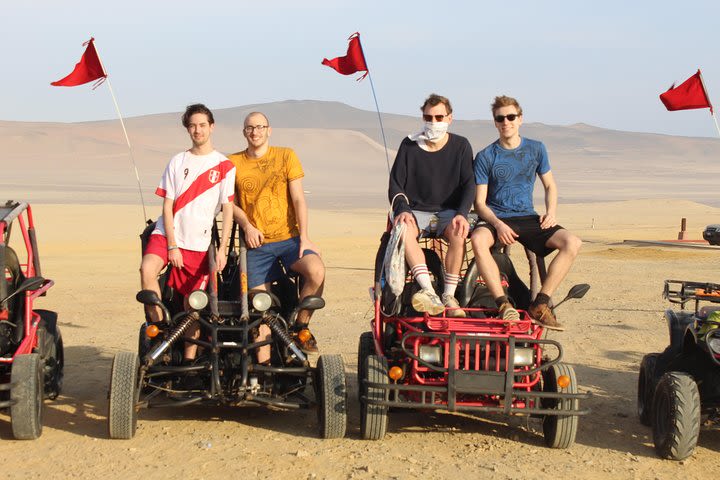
(438,118)
(511,117)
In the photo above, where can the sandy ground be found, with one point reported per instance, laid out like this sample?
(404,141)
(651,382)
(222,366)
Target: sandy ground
(92,253)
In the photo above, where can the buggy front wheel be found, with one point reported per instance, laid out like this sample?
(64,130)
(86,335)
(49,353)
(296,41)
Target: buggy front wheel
(332,405)
(122,414)
(374,418)
(676,416)
(366,347)
(560,430)
(27,396)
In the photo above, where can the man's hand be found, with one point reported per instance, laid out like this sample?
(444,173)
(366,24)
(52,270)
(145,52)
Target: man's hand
(220,260)
(175,258)
(253,237)
(407,218)
(306,244)
(459,226)
(505,234)
(547,221)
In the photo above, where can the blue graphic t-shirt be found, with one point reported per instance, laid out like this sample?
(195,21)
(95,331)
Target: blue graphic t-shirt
(510,176)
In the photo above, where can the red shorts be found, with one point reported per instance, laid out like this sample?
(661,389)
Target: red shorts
(194,273)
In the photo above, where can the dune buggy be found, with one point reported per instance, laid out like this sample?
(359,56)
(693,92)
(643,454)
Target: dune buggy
(475,364)
(227,371)
(31,348)
(679,389)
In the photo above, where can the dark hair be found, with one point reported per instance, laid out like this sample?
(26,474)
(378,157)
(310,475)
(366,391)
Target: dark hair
(505,101)
(435,99)
(192,110)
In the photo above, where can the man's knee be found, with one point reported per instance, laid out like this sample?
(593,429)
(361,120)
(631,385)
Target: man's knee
(312,270)
(482,239)
(572,245)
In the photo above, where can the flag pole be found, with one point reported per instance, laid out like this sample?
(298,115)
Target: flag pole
(382,130)
(707,97)
(127,139)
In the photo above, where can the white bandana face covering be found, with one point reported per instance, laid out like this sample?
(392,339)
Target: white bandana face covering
(433,132)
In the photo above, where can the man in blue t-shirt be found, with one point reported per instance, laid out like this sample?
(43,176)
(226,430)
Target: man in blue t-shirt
(505,176)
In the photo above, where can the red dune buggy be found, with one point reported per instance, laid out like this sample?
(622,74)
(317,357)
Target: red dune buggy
(31,348)
(475,364)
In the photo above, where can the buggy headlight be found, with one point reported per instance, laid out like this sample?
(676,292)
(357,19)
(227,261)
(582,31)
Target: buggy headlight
(261,301)
(431,354)
(198,299)
(713,342)
(524,357)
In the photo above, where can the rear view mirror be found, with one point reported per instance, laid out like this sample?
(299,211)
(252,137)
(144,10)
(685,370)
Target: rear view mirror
(311,302)
(578,291)
(148,297)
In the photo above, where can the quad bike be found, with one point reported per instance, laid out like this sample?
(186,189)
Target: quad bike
(226,371)
(31,347)
(479,363)
(679,389)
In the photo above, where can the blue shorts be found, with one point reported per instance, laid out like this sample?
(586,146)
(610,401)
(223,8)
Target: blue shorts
(433,224)
(262,261)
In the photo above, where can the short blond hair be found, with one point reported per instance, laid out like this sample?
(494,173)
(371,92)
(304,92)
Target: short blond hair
(505,101)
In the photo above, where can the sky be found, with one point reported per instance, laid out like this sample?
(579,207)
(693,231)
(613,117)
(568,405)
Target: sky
(599,63)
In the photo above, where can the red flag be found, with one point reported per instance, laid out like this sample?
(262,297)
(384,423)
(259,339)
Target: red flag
(688,95)
(87,69)
(353,61)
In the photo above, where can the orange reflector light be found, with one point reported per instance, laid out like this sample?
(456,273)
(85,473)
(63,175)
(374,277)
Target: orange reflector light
(563,381)
(152,331)
(395,373)
(304,335)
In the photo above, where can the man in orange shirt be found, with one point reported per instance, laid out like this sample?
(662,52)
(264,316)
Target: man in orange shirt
(270,208)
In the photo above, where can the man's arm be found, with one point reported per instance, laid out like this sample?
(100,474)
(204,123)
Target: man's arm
(399,202)
(253,237)
(297,196)
(551,197)
(504,233)
(174,255)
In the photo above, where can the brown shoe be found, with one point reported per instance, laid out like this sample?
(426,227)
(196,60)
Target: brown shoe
(507,312)
(543,315)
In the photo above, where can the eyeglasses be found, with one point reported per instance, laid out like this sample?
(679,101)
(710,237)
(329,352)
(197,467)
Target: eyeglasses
(438,118)
(250,128)
(511,117)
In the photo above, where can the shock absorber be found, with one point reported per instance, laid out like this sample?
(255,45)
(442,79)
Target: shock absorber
(174,335)
(282,334)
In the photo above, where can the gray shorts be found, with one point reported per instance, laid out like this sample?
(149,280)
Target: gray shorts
(433,224)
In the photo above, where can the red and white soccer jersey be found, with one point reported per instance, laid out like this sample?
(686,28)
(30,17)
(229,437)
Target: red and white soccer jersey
(199,186)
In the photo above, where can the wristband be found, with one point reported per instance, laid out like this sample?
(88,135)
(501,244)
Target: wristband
(172,247)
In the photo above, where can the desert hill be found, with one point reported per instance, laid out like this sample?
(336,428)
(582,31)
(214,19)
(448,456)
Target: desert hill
(341,149)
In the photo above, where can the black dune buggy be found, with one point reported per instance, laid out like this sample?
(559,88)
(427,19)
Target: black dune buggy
(226,371)
(475,364)
(679,389)
(31,348)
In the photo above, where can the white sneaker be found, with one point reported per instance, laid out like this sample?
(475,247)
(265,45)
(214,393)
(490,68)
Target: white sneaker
(451,302)
(426,300)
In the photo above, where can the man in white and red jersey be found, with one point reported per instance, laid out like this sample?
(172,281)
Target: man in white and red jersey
(194,187)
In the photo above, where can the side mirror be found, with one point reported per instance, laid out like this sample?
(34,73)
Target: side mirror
(32,283)
(311,302)
(578,291)
(148,297)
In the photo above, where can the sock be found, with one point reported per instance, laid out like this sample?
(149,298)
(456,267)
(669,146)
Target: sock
(451,282)
(500,300)
(541,299)
(422,277)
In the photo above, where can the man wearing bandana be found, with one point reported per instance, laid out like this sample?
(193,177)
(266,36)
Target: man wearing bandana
(431,191)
